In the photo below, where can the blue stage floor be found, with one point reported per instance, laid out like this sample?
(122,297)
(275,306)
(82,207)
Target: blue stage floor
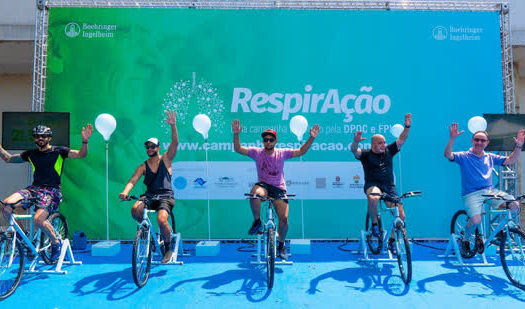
(328,278)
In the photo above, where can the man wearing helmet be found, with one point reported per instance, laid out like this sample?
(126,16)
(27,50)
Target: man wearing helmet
(157,178)
(270,165)
(47,162)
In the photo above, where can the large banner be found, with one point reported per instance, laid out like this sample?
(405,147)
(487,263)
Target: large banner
(347,71)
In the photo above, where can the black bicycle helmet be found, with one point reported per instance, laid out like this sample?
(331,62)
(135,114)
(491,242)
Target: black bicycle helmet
(42,130)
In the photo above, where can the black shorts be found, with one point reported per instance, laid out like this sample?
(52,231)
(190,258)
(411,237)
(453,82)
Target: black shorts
(155,202)
(389,189)
(273,191)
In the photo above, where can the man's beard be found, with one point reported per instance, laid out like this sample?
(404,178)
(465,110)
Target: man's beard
(153,154)
(42,146)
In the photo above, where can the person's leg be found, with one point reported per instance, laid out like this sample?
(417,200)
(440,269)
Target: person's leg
(474,208)
(137,211)
(11,199)
(164,225)
(281,207)
(255,205)
(372,202)
(40,221)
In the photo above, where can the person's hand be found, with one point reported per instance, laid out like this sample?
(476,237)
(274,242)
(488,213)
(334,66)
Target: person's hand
(314,131)
(453,128)
(86,132)
(519,139)
(236,126)
(408,120)
(123,196)
(357,137)
(171,118)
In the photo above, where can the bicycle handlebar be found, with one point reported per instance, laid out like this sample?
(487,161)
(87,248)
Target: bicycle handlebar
(267,198)
(501,197)
(389,198)
(143,197)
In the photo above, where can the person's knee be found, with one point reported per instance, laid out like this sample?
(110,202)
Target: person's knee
(514,207)
(476,219)
(373,200)
(163,217)
(284,220)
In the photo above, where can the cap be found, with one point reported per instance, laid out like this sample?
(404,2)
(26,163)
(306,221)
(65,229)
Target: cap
(269,132)
(152,140)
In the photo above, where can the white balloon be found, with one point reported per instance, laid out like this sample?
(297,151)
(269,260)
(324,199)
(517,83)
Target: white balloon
(105,125)
(202,124)
(396,130)
(477,123)
(298,125)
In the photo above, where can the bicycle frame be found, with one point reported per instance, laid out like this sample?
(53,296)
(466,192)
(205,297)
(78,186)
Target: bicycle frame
(505,224)
(270,223)
(146,222)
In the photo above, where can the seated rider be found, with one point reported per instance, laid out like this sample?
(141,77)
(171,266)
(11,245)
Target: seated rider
(47,162)
(270,165)
(379,173)
(476,178)
(157,178)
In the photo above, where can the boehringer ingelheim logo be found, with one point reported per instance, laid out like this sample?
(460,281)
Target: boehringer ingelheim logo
(72,30)
(440,33)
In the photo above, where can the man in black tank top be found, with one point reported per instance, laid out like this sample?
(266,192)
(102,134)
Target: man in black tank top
(47,162)
(157,178)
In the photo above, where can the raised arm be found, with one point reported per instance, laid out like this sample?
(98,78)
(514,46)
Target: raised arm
(355,144)
(514,156)
(236,128)
(172,148)
(9,158)
(453,131)
(404,135)
(141,170)
(86,133)
(304,148)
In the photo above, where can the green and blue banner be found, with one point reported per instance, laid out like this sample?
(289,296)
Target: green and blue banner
(347,71)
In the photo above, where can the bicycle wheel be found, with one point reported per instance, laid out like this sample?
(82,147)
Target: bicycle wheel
(270,256)
(374,243)
(404,256)
(59,224)
(512,254)
(11,265)
(141,258)
(457,227)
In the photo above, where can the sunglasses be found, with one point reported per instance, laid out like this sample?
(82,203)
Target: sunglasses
(271,140)
(481,140)
(35,136)
(151,146)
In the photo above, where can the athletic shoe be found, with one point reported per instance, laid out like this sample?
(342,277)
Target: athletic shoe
(256,227)
(465,245)
(281,250)
(167,254)
(55,251)
(391,246)
(480,246)
(375,230)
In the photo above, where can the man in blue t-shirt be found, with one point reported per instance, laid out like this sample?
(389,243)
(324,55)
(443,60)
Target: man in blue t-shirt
(476,177)
(47,162)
